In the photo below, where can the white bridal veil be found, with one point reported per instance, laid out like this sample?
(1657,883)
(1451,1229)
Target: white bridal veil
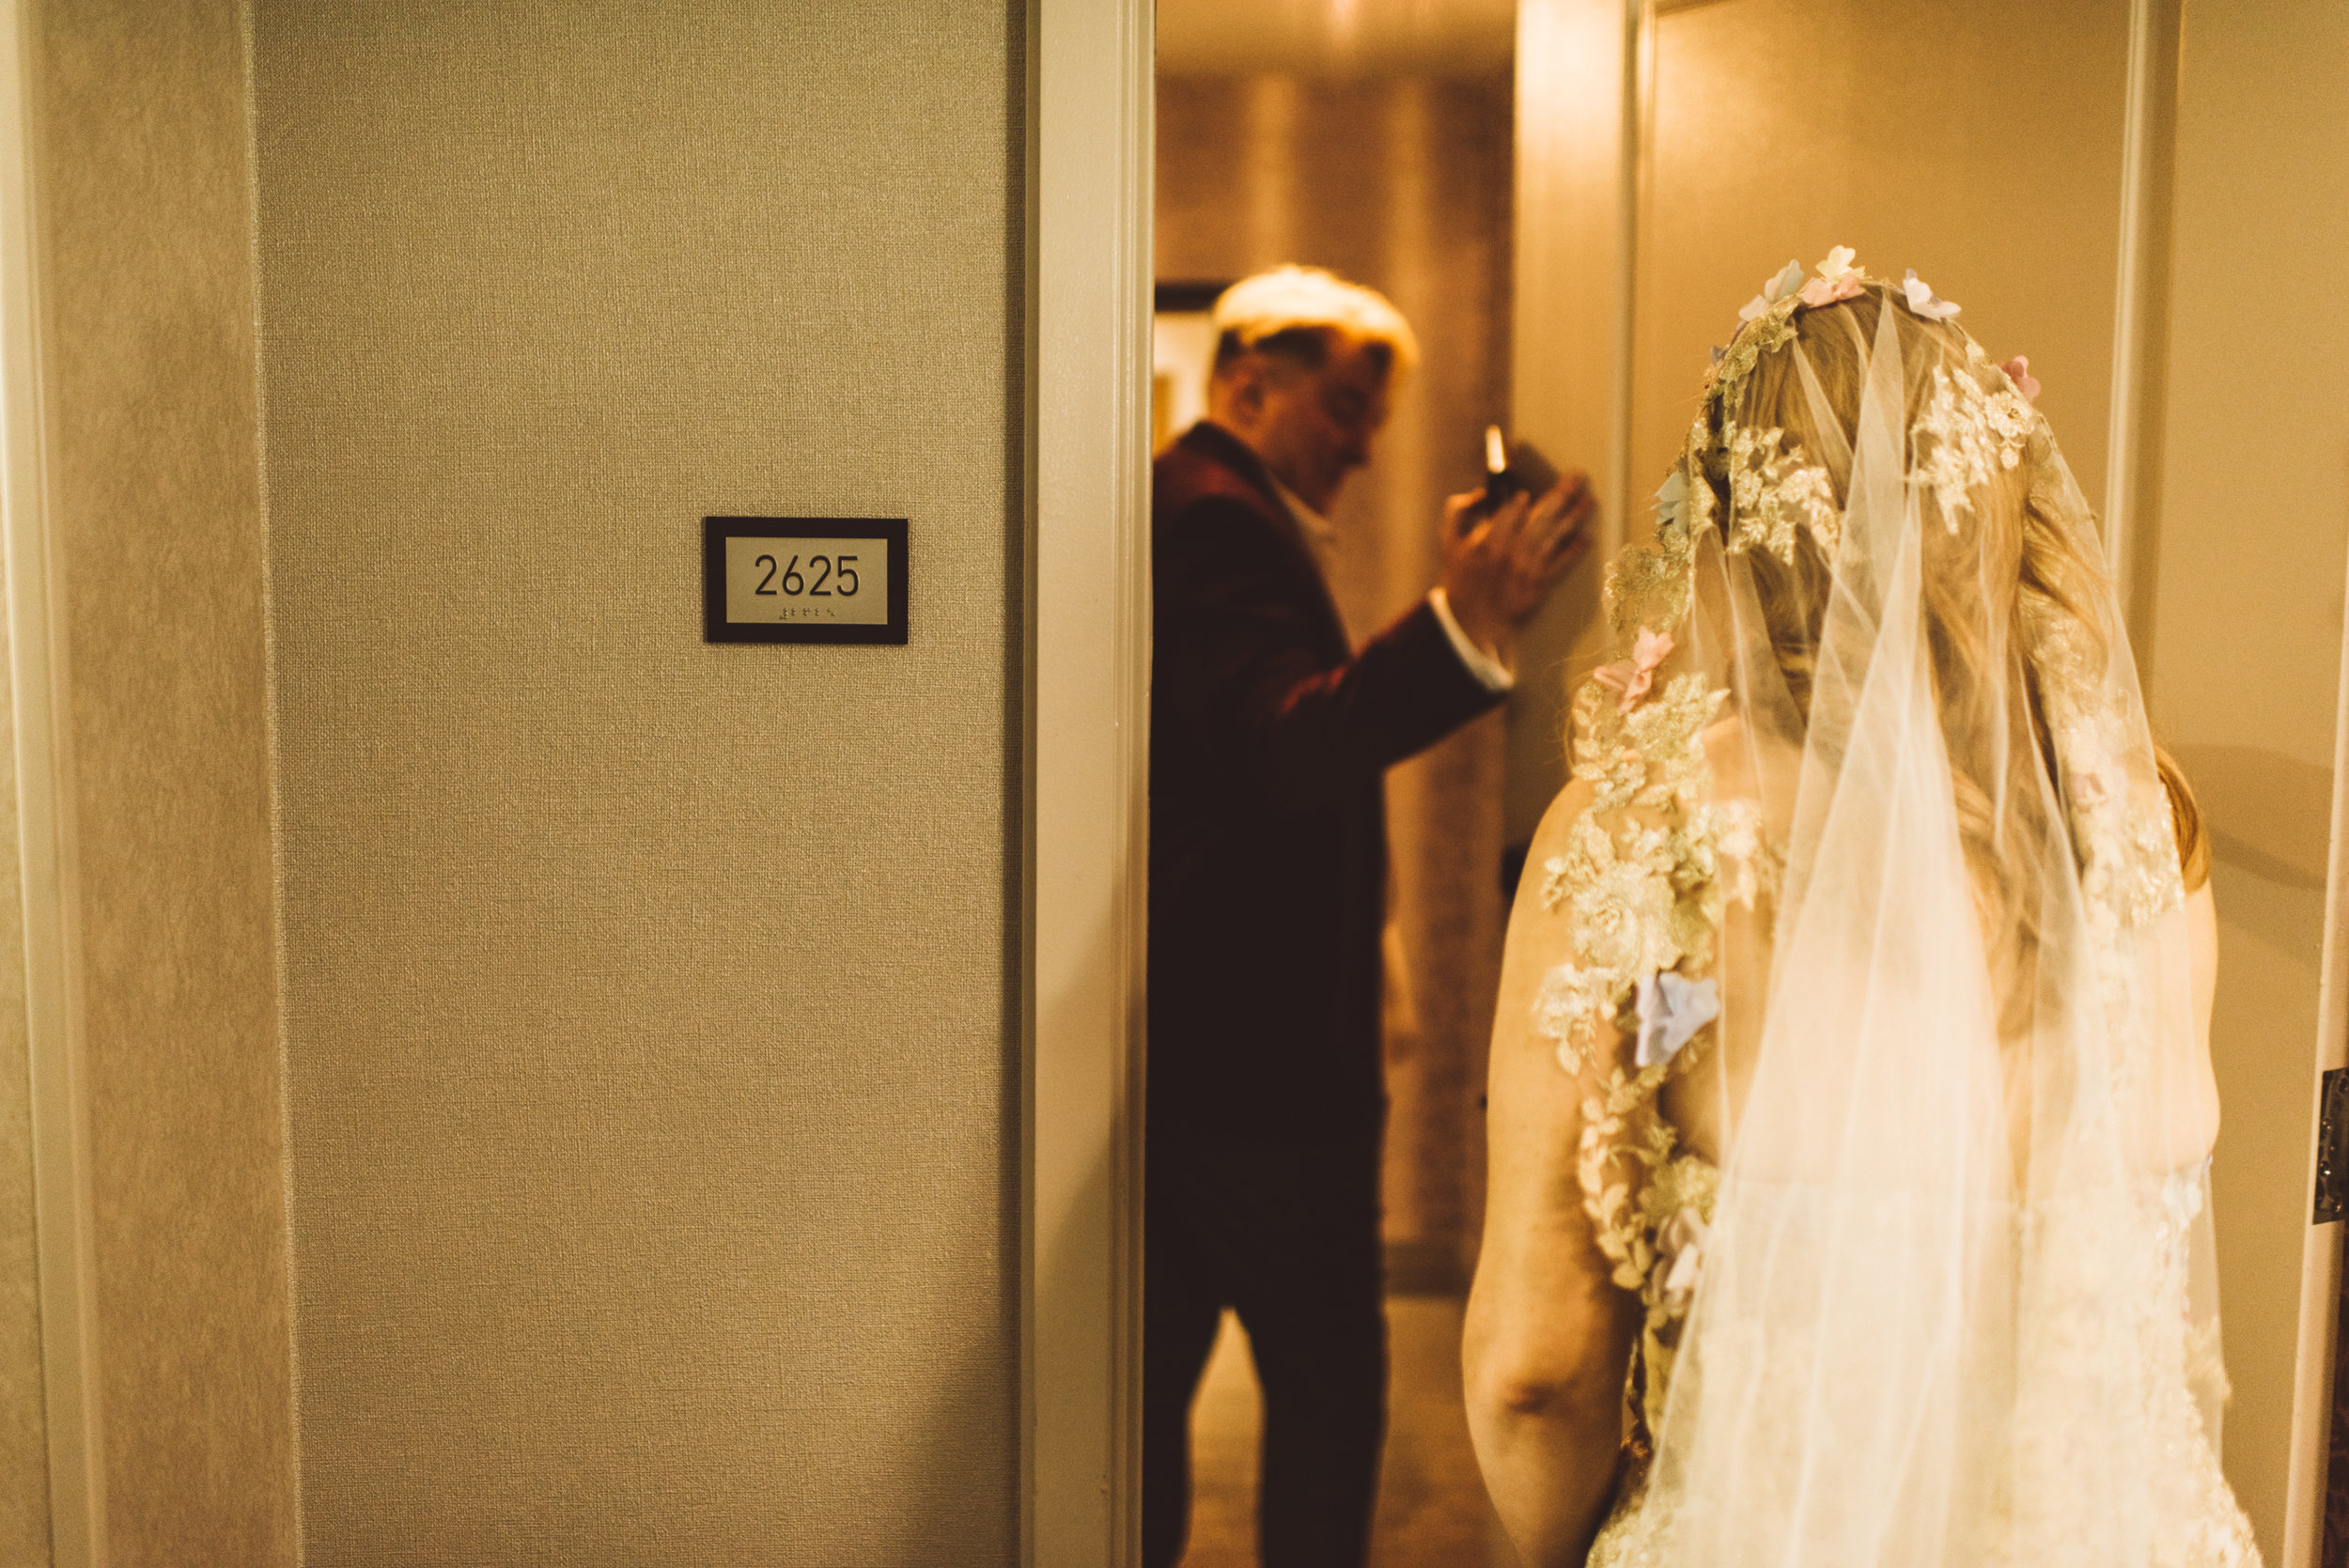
(1897,1112)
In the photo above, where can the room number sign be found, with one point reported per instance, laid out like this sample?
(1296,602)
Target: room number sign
(804,580)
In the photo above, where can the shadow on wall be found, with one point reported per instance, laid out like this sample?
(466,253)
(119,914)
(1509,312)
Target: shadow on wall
(2268,813)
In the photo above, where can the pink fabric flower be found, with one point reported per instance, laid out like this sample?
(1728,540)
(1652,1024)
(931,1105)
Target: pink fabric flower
(1632,677)
(2019,371)
(1682,1239)
(1825,291)
(1837,279)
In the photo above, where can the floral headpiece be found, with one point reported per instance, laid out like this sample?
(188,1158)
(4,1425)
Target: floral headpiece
(1773,491)
(1768,321)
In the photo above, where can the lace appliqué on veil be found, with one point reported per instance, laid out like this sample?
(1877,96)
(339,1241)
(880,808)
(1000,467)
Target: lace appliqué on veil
(1964,437)
(1649,868)
(1773,493)
(2119,813)
(2151,1422)
(1773,328)
(1649,586)
(2139,1232)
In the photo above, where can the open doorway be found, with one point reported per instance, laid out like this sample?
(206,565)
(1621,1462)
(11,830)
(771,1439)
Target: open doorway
(1374,140)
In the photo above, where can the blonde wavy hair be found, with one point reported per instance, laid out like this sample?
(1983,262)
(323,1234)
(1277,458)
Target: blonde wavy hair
(1992,583)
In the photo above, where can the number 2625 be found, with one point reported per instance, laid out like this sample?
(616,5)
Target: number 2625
(834,576)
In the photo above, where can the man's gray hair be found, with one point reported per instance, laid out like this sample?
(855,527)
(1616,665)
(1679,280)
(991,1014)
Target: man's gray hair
(1310,301)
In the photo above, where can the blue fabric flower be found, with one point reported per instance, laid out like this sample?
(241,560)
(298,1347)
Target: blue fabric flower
(1671,1008)
(1671,496)
(1788,281)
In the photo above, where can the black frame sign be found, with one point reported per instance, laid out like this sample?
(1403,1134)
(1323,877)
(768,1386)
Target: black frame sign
(804,580)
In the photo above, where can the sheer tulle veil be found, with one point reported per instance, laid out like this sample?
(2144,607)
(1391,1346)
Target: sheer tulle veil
(1897,1117)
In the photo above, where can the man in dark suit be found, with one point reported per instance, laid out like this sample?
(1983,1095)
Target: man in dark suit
(1270,736)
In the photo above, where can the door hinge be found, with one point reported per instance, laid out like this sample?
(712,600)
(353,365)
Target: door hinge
(2332,1148)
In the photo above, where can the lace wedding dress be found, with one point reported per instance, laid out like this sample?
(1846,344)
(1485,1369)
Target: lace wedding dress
(1896,1111)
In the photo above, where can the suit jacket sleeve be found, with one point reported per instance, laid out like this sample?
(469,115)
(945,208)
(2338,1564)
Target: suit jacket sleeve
(1244,665)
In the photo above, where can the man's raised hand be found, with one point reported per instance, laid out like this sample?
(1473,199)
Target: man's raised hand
(1499,564)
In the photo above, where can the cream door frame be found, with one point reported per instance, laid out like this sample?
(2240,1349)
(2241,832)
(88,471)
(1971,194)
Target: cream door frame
(2320,1258)
(41,756)
(1089,193)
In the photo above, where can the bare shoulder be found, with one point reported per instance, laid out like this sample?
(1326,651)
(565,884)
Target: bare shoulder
(1750,760)
(1540,938)
(2202,913)
(2202,946)
(1557,824)
(1533,931)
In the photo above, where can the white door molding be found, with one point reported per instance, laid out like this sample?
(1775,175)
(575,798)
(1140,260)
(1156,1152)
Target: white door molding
(2321,1245)
(1089,193)
(2141,310)
(46,844)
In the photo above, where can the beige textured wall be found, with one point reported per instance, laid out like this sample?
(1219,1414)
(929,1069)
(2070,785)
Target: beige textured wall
(2253,544)
(647,1002)
(1980,145)
(1401,181)
(144,183)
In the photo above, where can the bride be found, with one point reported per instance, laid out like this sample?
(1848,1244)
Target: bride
(1851,1102)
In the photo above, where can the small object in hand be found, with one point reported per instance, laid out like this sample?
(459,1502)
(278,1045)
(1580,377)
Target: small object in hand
(1513,467)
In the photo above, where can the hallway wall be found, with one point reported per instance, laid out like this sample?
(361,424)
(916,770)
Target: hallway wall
(648,1005)
(2248,566)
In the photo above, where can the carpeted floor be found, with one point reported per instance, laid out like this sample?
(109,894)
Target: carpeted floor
(1431,1511)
